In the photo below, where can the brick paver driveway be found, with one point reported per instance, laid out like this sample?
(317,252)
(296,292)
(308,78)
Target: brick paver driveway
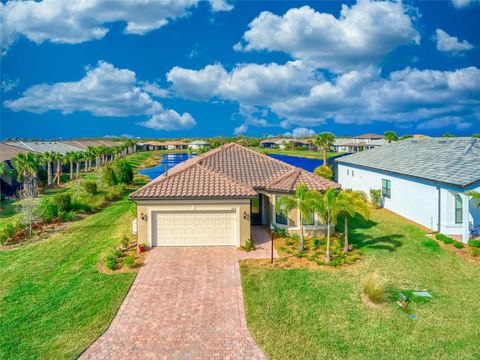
(186,303)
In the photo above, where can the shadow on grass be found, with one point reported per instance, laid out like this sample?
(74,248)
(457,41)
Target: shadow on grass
(389,242)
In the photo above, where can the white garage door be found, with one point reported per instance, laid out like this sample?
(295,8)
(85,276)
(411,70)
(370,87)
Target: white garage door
(194,228)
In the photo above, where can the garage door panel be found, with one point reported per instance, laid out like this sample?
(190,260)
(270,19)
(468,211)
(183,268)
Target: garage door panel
(194,228)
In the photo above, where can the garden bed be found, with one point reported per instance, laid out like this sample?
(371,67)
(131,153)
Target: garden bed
(465,251)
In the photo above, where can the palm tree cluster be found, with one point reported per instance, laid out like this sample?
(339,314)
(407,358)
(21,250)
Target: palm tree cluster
(329,206)
(27,165)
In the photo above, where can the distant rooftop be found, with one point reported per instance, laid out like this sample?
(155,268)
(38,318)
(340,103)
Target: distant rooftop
(44,146)
(454,161)
(368,136)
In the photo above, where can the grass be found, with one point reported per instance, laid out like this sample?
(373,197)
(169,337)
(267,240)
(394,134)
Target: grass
(312,314)
(299,153)
(54,301)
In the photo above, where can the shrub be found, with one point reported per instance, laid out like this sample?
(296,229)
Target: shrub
(474,243)
(81,203)
(63,201)
(375,288)
(376,197)
(458,245)
(90,187)
(279,231)
(295,237)
(110,263)
(67,216)
(300,254)
(48,210)
(448,240)
(8,232)
(125,241)
(324,171)
(117,253)
(114,192)
(123,171)
(129,261)
(317,243)
(249,245)
(475,251)
(2,197)
(107,176)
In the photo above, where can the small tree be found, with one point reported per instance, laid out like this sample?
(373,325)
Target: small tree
(324,171)
(28,210)
(351,203)
(301,201)
(324,142)
(390,136)
(375,197)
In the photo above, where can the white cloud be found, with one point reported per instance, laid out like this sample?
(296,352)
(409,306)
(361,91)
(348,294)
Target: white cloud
(242,129)
(464,3)
(103,91)
(154,89)
(448,43)
(73,22)
(363,34)
(300,132)
(8,85)
(447,121)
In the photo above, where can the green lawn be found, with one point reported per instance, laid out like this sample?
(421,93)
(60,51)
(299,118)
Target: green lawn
(300,153)
(310,314)
(54,301)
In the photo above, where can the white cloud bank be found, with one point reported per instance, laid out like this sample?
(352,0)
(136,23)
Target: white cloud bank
(448,43)
(300,132)
(104,91)
(73,21)
(362,35)
(464,3)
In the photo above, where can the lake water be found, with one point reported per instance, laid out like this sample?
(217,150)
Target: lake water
(171,160)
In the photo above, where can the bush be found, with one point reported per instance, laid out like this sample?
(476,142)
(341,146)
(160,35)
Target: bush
(117,253)
(110,263)
(317,243)
(474,243)
(63,202)
(300,254)
(129,261)
(123,171)
(8,232)
(108,177)
(125,241)
(324,171)
(445,239)
(249,245)
(475,251)
(90,187)
(376,197)
(458,245)
(67,216)
(114,192)
(83,204)
(48,210)
(375,288)
(295,237)
(279,231)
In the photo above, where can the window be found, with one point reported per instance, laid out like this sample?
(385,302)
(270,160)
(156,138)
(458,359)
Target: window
(310,220)
(348,172)
(386,188)
(458,209)
(353,173)
(280,218)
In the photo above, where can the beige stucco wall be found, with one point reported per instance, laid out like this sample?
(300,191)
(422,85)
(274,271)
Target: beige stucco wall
(148,206)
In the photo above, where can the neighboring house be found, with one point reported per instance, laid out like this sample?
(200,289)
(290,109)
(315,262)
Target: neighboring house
(198,144)
(44,146)
(214,199)
(269,143)
(8,181)
(175,145)
(151,145)
(84,144)
(358,143)
(422,180)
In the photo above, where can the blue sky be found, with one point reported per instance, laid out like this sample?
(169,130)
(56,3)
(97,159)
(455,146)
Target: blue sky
(190,68)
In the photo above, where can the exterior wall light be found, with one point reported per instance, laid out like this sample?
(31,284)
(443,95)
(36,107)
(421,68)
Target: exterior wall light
(245,215)
(143,216)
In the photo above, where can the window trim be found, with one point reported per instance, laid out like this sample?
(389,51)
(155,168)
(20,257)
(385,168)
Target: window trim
(386,190)
(279,215)
(458,212)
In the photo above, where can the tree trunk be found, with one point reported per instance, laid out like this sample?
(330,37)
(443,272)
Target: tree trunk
(59,172)
(78,169)
(345,244)
(327,253)
(324,157)
(71,169)
(49,173)
(300,245)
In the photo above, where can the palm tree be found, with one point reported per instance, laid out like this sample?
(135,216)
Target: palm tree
(47,158)
(475,194)
(59,159)
(77,157)
(324,141)
(70,157)
(326,206)
(89,155)
(349,204)
(26,166)
(390,136)
(302,200)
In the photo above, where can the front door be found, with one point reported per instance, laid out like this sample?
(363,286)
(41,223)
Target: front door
(256,210)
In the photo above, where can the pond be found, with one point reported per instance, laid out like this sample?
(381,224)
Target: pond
(171,160)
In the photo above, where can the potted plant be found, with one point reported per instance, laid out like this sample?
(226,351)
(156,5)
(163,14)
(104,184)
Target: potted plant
(142,248)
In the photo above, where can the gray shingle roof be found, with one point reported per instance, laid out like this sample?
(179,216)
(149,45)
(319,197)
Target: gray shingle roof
(44,146)
(453,161)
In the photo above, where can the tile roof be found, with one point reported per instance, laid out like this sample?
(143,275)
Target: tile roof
(7,152)
(368,136)
(229,171)
(454,161)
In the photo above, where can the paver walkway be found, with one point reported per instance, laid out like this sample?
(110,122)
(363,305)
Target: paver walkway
(186,303)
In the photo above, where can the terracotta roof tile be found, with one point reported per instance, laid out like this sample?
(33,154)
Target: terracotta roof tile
(229,171)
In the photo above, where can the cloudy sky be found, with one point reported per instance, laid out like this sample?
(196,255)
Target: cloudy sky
(177,68)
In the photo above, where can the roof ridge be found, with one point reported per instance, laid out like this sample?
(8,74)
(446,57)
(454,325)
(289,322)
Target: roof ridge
(236,182)
(287,175)
(265,156)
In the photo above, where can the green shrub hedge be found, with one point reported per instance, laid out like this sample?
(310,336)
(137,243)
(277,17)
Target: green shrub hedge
(474,243)
(63,202)
(90,187)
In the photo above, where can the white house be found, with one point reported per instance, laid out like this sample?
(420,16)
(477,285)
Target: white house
(198,144)
(422,180)
(358,143)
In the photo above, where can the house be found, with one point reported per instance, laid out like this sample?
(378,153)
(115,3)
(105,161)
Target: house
(175,145)
(46,146)
(8,180)
(358,143)
(214,199)
(151,145)
(198,144)
(85,144)
(423,180)
(269,143)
